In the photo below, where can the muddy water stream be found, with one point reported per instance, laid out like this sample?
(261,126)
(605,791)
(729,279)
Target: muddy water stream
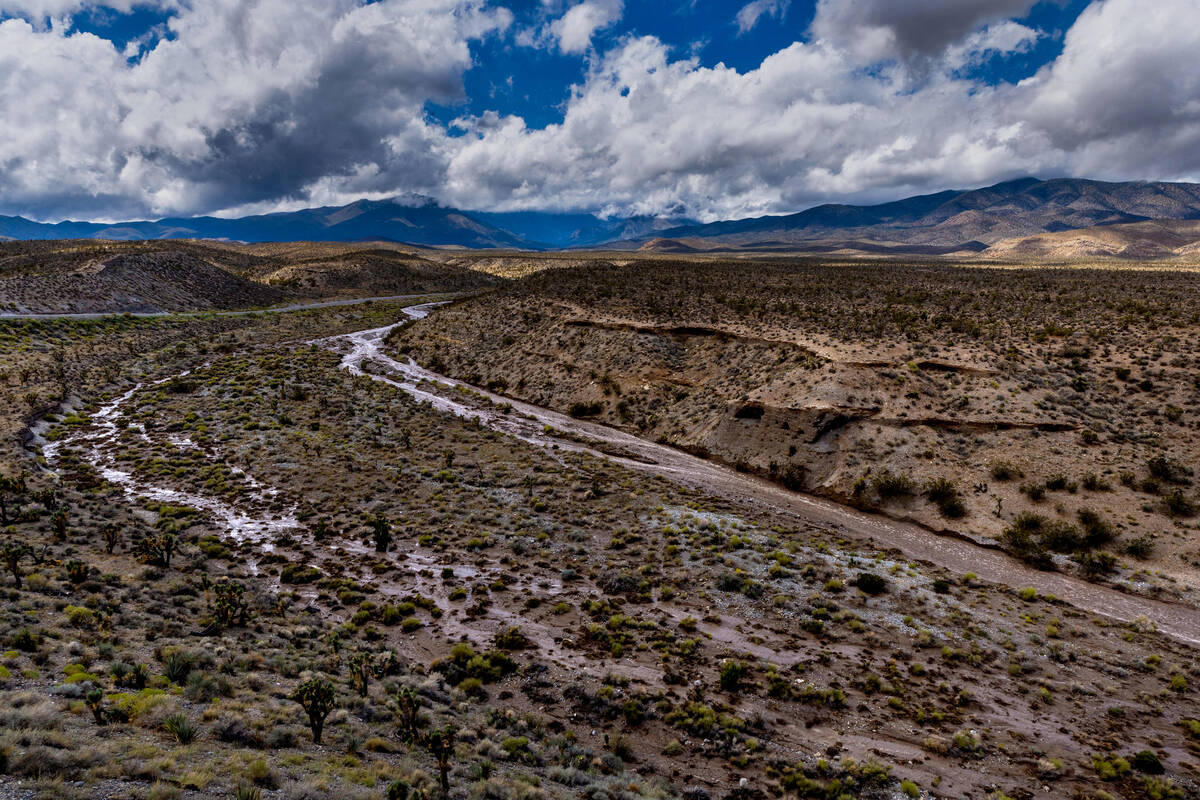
(363,354)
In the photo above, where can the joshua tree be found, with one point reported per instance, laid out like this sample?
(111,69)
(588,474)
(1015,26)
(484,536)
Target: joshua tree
(230,607)
(77,571)
(12,553)
(322,530)
(381,531)
(441,746)
(408,702)
(156,549)
(316,696)
(59,522)
(95,703)
(11,487)
(112,535)
(360,672)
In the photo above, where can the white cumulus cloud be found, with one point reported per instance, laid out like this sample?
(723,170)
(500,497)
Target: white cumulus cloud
(645,133)
(246,101)
(260,104)
(749,15)
(574,29)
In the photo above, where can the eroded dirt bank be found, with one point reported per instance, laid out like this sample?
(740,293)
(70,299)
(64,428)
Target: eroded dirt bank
(363,354)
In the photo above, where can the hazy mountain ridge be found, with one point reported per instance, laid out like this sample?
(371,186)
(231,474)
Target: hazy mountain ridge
(955,220)
(948,222)
(411,220)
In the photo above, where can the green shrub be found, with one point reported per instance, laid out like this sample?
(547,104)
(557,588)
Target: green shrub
(1141,547)
(731,675)
(178,666)
(1147,762)
(870,583)
(512,638)
(181,727)
(1177,505)
(1004,471)
(888,484)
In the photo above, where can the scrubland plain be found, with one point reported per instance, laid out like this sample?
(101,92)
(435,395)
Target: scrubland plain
(262,556)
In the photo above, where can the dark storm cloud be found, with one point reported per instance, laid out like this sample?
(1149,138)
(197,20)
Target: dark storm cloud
(885,28)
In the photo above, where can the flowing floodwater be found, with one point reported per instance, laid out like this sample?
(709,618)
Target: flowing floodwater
(100,442)
(363,354)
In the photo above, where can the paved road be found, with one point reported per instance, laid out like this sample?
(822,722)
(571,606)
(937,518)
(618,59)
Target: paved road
(249,312)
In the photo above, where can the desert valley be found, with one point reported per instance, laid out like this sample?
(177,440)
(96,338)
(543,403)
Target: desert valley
(374,520)
(599,400)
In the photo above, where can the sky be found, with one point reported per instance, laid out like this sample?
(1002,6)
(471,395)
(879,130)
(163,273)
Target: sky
(709,109)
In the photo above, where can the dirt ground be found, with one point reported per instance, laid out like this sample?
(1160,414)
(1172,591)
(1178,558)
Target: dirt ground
(588,630)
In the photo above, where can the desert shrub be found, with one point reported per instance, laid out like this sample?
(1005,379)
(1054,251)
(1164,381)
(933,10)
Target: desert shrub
(1034,491)
(1168,470)
(1096,530)
(944,494)
(1004,471)
(737,582)
(870,583)
(1097,564)
(1177,505)
(464,663)
(1141,547)
(181,727)
(512,638)
(1147,762)
(581,409)
(702,720)
(299,573)
(26,641)
(888,485)
(1058,483)
(1060,536)
(731,675)
(1022,539)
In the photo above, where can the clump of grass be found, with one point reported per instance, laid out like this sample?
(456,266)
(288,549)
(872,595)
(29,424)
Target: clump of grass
(181,727)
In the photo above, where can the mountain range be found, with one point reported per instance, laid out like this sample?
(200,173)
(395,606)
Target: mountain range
(992,220)
(951,221)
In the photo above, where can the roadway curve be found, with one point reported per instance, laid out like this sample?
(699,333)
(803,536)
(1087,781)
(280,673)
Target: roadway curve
(353,301)
(363,354)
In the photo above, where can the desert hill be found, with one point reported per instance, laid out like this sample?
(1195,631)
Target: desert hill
(1162,239)
(87,276)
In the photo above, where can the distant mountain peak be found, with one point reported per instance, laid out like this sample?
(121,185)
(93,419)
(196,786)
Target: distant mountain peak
(942,222)
(955,220)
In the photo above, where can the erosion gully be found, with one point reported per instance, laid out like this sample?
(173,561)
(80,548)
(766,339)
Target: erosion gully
(363,354)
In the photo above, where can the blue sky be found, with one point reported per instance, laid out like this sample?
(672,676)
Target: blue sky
(716,109)
(535,82)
